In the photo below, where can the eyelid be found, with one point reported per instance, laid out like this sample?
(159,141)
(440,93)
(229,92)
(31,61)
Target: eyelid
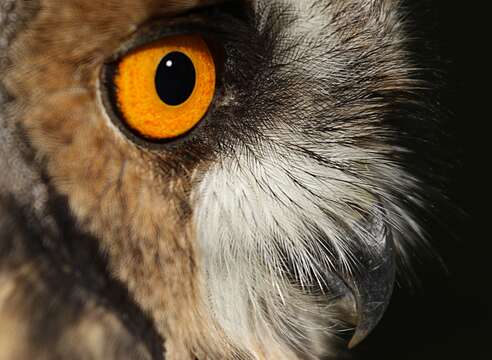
(156,29)
(147,36)
(183,6)
(158,98)
(217,25)
(107,86)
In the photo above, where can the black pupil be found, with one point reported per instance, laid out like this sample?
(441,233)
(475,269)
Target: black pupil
(175,78)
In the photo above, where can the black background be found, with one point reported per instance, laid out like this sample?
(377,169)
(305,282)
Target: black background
(448,315)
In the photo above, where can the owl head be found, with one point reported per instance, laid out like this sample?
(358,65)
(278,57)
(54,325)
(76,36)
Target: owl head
(244,170)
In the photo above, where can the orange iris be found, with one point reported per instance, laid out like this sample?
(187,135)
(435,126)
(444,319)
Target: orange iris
(165,88)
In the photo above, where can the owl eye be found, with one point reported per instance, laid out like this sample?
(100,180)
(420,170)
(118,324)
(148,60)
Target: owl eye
(162,90)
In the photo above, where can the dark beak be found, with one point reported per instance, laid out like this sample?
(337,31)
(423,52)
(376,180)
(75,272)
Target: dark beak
(371,283)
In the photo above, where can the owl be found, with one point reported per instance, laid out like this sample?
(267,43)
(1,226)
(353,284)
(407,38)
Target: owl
(194,179)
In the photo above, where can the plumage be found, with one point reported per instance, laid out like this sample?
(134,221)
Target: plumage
(264,233)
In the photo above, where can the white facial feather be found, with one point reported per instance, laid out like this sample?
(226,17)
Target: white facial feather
(256,211)
(274,221)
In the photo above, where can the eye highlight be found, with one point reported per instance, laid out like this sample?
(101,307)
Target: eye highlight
(163,89)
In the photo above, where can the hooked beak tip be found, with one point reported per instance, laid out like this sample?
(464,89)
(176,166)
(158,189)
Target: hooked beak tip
(372,285)
(366,325)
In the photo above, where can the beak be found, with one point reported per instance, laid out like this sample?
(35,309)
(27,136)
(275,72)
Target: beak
(371,284)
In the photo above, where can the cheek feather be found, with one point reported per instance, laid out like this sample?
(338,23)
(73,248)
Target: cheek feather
(248,241)
(322,189)
(270,228)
